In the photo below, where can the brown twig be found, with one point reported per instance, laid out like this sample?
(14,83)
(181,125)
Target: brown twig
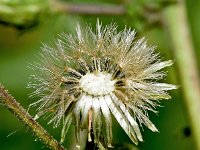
(8,101)
(88,9)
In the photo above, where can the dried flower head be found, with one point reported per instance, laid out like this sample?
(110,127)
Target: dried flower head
(88,77)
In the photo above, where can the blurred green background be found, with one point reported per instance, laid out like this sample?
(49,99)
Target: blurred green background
(18,48)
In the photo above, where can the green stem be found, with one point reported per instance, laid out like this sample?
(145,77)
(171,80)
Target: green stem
(8,101)
(177,25)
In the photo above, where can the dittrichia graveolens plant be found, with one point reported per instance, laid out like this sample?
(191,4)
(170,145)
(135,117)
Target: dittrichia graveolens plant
(89,77)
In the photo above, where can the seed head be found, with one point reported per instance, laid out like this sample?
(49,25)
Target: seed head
(88,77)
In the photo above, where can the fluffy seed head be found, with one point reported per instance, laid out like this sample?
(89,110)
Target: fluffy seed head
(88,77)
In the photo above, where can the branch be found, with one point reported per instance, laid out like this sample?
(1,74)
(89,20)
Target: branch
(8,101)
(27,15)
(88,9)
(177,25)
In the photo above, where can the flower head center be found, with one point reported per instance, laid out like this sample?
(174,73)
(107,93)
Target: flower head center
(97,84)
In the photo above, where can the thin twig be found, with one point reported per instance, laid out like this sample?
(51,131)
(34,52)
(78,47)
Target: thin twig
(8,101)
(177,25)
(88,9)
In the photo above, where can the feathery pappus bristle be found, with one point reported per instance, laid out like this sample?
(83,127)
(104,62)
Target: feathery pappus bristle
(89,77)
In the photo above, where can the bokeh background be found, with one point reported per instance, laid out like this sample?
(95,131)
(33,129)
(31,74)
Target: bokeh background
(22,32)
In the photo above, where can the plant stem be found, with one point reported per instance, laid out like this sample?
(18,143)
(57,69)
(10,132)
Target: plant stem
(88,9)
(177,25)
(8,101)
